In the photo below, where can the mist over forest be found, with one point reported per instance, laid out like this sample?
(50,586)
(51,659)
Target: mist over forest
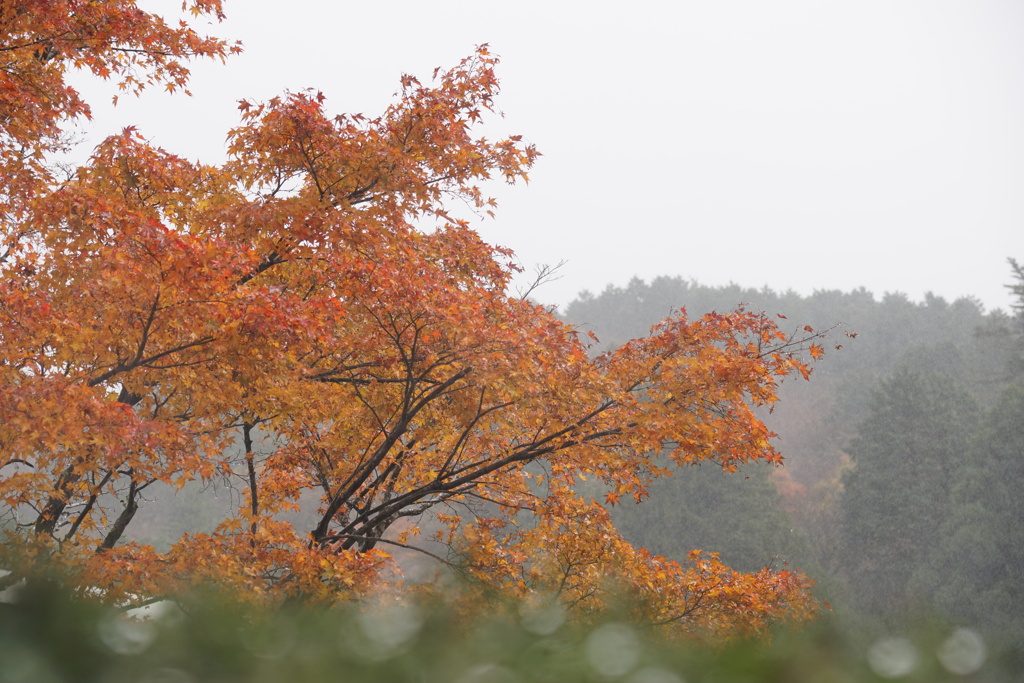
(904,454)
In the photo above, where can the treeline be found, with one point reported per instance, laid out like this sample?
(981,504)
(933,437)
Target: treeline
(904,454)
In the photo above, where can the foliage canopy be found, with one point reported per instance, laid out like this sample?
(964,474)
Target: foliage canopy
(160,317)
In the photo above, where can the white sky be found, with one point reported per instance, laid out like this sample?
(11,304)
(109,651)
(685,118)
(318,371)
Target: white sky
(798,144)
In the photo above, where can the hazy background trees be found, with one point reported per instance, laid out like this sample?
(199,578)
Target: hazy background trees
(907,454)
(738,515)
(904,455)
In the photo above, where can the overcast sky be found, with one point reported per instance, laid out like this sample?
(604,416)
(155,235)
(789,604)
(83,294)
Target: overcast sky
(798,144)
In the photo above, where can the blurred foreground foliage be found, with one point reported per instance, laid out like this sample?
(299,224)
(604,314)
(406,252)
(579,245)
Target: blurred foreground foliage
(50,636)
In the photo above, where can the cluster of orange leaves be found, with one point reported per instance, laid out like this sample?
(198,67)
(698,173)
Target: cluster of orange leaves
(308,318)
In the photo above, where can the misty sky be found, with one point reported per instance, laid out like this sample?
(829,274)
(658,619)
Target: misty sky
(799,144)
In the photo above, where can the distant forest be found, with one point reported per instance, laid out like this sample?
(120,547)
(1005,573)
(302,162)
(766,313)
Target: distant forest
(904,454)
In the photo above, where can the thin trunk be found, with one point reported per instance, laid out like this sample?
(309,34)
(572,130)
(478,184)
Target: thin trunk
(122,521)
(88,506)
(46,522)
(250,462)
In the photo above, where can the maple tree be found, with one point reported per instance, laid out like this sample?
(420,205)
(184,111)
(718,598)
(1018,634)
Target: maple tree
(311,316)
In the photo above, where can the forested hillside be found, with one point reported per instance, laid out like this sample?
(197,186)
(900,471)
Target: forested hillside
(904,455)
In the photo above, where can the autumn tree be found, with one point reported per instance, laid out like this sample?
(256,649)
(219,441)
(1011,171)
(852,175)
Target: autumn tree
(312,317)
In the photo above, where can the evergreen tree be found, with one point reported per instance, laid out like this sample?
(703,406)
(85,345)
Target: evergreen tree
(906,457)
(979,561)
(1016,324)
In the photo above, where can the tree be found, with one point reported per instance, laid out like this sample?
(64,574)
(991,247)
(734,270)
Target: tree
(1017,288)
(1013,327)
(311,316)
(906,458)
(976,564)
